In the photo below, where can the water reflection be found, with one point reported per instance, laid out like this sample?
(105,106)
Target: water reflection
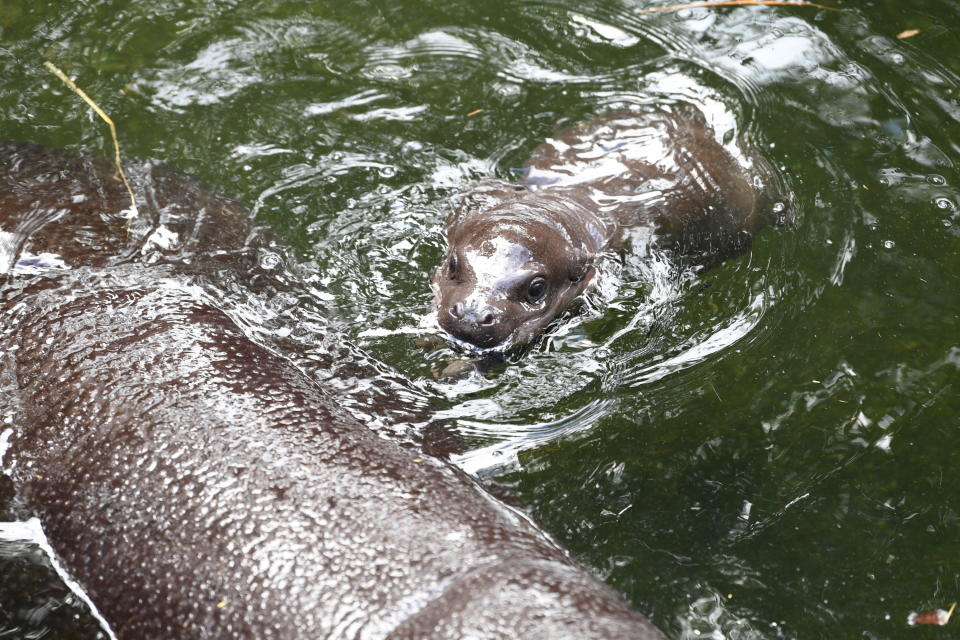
(503,456)
(813,379)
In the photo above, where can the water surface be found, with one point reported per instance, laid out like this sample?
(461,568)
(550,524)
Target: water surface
(761,450)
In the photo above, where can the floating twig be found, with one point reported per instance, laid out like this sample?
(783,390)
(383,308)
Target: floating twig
(121,176)
(936,617)
(738,3)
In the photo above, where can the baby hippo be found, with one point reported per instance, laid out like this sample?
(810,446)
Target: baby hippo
(659,178)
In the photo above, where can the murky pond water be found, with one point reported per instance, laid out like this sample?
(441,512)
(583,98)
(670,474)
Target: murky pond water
(760,450)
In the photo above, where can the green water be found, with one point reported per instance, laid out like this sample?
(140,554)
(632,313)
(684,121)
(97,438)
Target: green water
(763,450)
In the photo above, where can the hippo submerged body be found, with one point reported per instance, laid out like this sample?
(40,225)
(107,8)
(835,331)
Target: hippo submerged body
(659,178)
(197,484)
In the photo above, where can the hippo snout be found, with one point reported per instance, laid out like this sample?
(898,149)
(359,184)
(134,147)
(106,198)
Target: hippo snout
(481,316)
(477,323)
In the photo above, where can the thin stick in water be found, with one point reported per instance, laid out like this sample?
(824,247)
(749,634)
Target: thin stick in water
(113,131)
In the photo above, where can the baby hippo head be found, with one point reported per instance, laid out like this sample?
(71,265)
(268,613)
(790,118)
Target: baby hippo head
(504,280)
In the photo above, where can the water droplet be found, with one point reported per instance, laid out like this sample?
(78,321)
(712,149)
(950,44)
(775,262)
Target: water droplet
(889,244)
(944,203)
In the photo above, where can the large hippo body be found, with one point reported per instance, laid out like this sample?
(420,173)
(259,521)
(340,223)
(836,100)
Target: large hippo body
(199,485)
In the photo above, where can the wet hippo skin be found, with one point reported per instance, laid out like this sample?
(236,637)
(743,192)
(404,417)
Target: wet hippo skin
(659,179)
(200,486)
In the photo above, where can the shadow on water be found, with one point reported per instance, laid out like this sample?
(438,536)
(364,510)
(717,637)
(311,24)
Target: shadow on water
(759,450)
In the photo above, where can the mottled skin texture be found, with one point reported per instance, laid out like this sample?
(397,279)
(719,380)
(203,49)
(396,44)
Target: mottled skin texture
(659,178)
(199,485)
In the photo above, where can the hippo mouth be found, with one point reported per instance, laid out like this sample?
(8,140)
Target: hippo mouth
(493,348)
(489,355)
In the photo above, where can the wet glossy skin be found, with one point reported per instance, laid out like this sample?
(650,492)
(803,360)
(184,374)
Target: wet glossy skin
(197,484)
(661,177)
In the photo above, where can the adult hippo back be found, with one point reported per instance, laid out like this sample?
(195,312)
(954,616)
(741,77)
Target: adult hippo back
(197,484)
(656,179)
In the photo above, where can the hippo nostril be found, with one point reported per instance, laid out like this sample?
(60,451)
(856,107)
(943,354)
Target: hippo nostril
(467,314)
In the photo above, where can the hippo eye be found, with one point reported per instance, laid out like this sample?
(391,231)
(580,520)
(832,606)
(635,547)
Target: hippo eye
(538,287)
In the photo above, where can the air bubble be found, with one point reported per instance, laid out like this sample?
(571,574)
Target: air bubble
(778,207)
(388,172)
(944,203)
(389,72)
(936,179)
(889,244)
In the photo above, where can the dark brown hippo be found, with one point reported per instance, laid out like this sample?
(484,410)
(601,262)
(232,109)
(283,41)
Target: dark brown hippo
(659,179)
(197,484)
